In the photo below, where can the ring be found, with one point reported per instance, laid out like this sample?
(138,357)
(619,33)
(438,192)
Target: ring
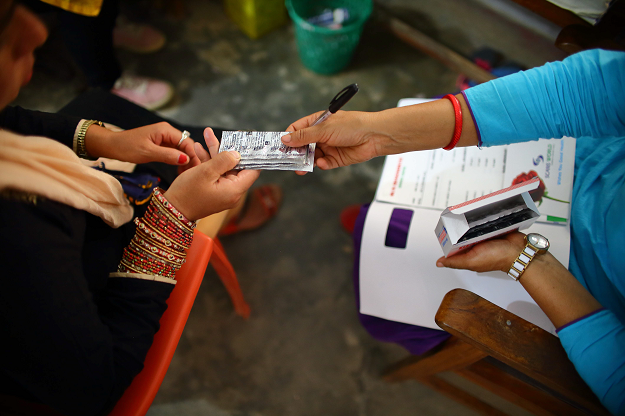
(185,134)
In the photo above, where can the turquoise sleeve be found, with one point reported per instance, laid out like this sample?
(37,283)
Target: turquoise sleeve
(596,346)
(580,96)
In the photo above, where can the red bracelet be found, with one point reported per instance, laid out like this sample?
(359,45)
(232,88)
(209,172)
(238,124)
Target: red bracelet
(458,126)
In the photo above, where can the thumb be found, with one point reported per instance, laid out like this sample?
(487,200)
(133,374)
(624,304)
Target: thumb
(169,156)
(442,262)
(300,137)
(458,261)
(223,162)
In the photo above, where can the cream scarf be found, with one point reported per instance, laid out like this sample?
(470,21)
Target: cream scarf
(45,167)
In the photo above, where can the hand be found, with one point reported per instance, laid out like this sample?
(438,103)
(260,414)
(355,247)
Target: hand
(152,143)
(212,186)
(349,137)
(556,291)
(202,155)
(490,255)
(345,138)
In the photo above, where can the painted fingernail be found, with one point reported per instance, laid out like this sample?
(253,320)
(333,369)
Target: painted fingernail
(182,159)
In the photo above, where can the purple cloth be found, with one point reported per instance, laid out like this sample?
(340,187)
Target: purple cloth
(416,339)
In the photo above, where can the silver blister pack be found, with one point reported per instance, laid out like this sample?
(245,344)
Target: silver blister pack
(264,150)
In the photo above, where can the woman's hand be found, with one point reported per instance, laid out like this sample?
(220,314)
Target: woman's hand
(152,143)
(212,186)
(558,293)
(487,256)
(343,139)
(349,137)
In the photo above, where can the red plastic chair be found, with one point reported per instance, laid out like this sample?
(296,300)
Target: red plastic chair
(139,396)
(225,271)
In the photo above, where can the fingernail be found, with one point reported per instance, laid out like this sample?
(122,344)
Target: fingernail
(182,159)
(236,154)
(286,138)
(439,264)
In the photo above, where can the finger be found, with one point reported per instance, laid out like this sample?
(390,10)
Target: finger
(440,262)
(169,155)
(246,178)
(211,141)
(302,137)
(323,164)
(222,163)
(167,134)
(329,162)
(187,146)
(454,262)
(231,176)
(201,153)
(304,122)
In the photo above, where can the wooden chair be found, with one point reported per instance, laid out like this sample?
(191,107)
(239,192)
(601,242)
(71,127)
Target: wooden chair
(502,353)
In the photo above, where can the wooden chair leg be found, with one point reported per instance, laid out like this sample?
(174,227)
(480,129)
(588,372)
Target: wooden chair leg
(453,354)
(460,396)
(533,398)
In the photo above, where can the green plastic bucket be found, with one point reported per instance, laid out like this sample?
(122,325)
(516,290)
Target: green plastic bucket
(324,50)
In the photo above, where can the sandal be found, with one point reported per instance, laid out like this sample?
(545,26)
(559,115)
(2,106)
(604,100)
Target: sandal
(260,206)
(349,216)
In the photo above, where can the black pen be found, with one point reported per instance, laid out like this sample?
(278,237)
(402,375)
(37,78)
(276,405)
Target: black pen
(337,102)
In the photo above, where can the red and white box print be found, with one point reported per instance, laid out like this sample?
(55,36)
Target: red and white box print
(462,226)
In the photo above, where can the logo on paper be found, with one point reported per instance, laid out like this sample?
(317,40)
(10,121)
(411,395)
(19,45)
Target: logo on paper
(538,160)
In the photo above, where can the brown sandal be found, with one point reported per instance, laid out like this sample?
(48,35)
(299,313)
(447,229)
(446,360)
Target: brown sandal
(265,201)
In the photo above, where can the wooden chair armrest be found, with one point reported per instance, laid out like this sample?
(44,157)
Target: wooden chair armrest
(513,341)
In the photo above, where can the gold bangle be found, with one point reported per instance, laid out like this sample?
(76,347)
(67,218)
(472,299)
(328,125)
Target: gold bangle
(81,149)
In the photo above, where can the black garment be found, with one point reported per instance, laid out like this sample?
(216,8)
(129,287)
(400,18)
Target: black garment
(37,123)
(88,39)
(73,338)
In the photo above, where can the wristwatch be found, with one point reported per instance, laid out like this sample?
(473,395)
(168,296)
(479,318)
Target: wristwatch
(535,245)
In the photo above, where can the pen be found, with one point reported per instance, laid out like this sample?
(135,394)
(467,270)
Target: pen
(338,101)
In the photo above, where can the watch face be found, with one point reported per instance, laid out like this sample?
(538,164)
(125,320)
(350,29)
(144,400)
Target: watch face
(538,241)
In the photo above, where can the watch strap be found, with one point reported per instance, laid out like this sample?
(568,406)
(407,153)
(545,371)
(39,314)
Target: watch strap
(522,261)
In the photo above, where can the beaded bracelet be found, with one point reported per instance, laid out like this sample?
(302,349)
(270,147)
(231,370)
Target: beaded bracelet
(458,125)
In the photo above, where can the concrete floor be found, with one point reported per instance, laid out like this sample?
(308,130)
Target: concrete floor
(303,351)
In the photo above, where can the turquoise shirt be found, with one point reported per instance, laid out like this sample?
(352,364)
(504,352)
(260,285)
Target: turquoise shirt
(583,97)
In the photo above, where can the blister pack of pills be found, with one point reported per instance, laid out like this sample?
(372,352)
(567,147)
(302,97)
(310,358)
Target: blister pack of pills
(264,150)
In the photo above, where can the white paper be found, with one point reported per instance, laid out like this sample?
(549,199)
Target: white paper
(440,178)
(404,285)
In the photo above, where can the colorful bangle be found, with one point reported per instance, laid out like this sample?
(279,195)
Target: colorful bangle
(458,125)
(159,246)
(160,198)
